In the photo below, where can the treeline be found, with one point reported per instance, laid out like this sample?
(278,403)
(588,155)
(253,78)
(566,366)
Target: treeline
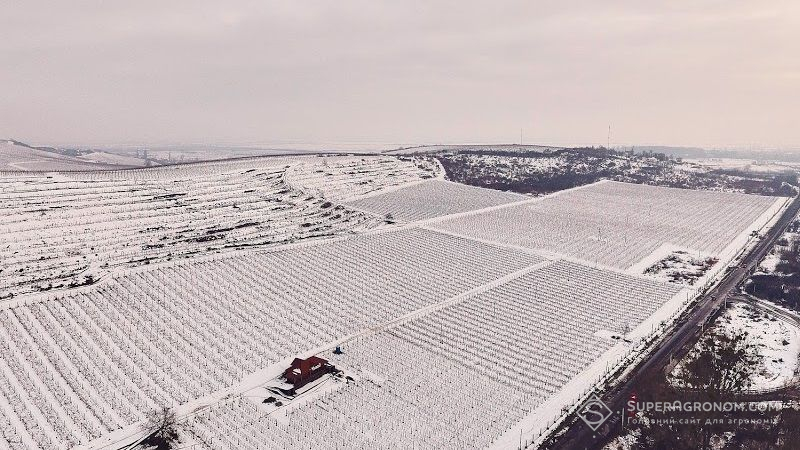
(519,171)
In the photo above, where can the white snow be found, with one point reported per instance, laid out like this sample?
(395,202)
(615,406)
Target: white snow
(54,233)
(777,340)
(749,165)
(115,159)
(433,198)
(776,337)
(342,178)
(619,224)
(681,267)
(16,158)
(770,262)
(454,341)
(625,441)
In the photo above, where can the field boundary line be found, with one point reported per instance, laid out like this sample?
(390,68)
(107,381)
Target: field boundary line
(449,302)
(548,255)
(528,201)
(375,193)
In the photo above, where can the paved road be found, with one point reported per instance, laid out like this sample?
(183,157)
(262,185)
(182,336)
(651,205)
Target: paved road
(680,340)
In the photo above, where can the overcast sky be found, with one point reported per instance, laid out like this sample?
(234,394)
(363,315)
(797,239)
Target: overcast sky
(712,73)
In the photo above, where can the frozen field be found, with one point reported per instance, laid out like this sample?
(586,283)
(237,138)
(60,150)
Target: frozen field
(619,224)
(64,230)
(15,157)
(190,279)
(341,177)
(432,198)
(70,230)
(458,377)
(77,367)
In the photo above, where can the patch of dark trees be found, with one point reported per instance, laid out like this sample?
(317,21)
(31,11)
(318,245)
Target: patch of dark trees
(723,368)
(169,196)
(235,227)
(782,286)
(590,164)
(162,428)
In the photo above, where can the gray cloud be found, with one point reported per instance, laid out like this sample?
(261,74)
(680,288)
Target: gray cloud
(700,72)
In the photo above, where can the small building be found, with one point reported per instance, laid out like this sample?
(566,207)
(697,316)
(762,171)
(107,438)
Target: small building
(304,371)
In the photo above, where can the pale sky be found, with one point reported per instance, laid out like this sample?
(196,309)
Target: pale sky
(714,73)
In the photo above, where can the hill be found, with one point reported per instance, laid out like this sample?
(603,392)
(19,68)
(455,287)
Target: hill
(16,156)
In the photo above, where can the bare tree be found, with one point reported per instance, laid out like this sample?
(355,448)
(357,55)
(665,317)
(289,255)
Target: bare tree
(719,371)
(162,427)
(726,364)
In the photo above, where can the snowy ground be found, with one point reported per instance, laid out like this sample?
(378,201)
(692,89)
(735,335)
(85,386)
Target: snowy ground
(343,178)
(619,224)
(473,347)
(59,232)
(630,441)
(624,442)
(681,267)
(514,148)
(748,165)
(432,198)
(114,159)
(63,230)
(775,338)
(427,317)
(770,262)
(16,157)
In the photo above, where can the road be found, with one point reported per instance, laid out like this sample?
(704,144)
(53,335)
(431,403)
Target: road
(767,307)
(680,340)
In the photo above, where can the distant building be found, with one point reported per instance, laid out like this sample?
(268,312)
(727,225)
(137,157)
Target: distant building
(304,371)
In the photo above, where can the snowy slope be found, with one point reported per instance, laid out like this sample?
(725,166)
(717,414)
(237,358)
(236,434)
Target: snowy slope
(17,157)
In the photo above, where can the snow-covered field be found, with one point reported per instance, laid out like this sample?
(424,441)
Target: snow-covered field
(433,198)
(618,224)
(15,157)
(72,229)
(113,159)
(458,329)
(744,164)
(92,362)
(460,376)
(778,341)
(341,178)
(67,229)
(409,402)
(509,148)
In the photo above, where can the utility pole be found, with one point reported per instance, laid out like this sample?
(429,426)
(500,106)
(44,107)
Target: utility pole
(608,139)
